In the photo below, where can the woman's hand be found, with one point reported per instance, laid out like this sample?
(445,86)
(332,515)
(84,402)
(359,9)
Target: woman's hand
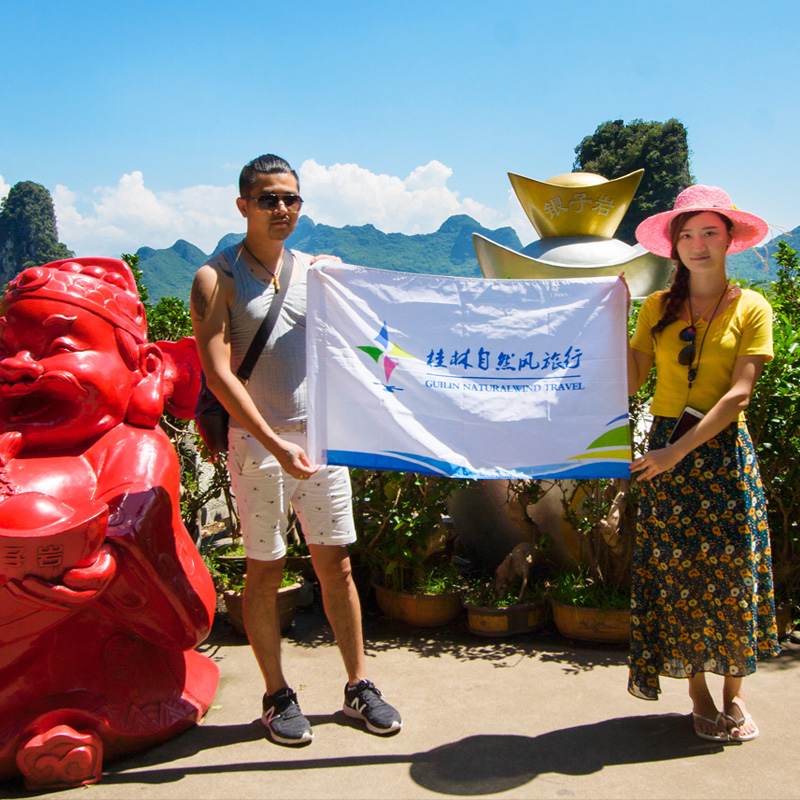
(654,462)
(627,293)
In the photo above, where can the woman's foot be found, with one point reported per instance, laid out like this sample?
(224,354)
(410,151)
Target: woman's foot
(708,722)
(741,727)
(712,729)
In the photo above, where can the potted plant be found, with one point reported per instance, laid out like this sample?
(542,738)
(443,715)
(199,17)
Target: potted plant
(229,575)
(510,600)
(591,599)
(599,517)
(587,610)
(404,540)
(433,600)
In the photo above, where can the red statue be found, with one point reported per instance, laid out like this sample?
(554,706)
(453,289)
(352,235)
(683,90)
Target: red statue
(103,596)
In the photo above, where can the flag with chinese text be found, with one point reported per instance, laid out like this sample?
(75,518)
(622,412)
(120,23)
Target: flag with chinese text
(467,377)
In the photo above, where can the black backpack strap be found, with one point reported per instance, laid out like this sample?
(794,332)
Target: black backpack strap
(262,334)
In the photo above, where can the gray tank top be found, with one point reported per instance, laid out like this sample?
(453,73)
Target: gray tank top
(278,382)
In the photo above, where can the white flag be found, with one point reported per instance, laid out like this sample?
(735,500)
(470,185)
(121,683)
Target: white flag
(467,377)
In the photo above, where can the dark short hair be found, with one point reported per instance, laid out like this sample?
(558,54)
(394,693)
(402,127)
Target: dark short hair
(267,164)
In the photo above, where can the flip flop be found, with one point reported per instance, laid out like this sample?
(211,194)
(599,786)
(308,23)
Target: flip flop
(711,737)
(743,737)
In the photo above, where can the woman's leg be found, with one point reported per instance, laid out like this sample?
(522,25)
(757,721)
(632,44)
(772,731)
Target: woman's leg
(705,716)
(740,723)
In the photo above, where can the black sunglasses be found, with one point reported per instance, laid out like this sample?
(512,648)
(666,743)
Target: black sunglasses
(686,356)
(270,201)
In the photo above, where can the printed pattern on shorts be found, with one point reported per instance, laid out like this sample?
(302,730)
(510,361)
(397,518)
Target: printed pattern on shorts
(264,493)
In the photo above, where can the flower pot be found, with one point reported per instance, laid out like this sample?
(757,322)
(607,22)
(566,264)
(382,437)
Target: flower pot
(287,607)
(592,624)
(520,618)
(423,610)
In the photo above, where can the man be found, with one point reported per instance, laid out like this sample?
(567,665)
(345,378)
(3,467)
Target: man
(267,459)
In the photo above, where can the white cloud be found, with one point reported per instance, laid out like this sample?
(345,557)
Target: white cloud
(125,217)
(346,194)
(5,188)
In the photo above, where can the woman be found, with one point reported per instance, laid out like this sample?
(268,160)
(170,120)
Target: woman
(702,587)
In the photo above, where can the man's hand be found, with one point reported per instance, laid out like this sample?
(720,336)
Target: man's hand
(314,259)
(294,461)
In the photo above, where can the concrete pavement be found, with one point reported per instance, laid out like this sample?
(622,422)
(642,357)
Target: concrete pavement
(534,716)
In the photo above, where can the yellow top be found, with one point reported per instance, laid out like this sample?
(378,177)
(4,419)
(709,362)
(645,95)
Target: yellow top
(743,329)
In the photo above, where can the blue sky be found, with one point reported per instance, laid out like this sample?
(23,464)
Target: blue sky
(138,116)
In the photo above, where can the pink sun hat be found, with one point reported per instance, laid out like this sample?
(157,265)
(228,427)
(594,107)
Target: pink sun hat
(748,229)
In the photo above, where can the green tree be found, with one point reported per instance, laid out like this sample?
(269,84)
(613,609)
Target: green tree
(167,320)
(774,421)
(28,234)
(132,260)
(661,149)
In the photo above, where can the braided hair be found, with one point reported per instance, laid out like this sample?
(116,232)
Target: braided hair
(674,298)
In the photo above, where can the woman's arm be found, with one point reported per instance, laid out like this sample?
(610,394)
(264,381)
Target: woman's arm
(746,371)
(639,363)
(639,366)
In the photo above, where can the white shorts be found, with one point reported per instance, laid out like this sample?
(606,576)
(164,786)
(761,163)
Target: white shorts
(263,491)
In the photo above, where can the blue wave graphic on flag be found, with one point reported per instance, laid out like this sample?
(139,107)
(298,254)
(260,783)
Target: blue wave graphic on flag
(410,462)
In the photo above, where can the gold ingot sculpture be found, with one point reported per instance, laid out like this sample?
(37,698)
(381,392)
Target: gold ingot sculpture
(576,215)
(576,203)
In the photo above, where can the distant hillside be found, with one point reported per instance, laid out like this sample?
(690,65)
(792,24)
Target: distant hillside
(759,265)
(28,232)
(447,251)
(169,272)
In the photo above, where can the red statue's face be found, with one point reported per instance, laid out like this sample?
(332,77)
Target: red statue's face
(62,378)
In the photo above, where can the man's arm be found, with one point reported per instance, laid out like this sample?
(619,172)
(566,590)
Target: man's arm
(212,291)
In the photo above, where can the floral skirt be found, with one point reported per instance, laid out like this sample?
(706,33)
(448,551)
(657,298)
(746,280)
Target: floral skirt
(702,597)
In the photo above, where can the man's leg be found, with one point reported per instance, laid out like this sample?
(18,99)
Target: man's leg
(261,490)
(281,713)
(342,606)
(324,508)
(261,619)
(362,699)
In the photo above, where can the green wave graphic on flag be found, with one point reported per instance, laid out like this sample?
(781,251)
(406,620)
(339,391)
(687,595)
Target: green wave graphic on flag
(615,444)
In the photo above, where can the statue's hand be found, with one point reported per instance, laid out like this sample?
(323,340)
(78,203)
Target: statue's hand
(80,585)
(97,575)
